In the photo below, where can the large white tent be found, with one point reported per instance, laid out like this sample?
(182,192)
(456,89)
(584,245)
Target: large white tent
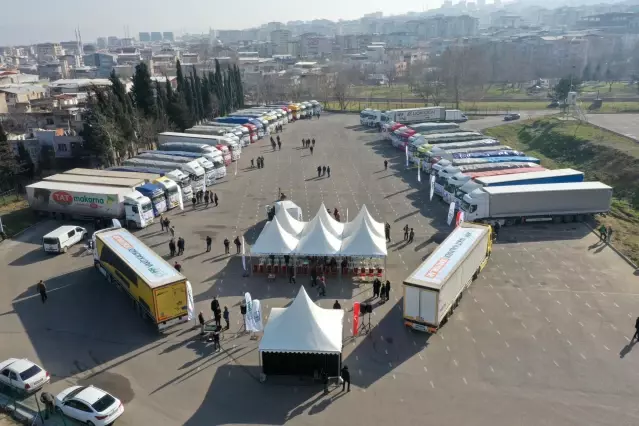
(317,240)
(289,223)
(363,242)
(334,227)
(274,240)
(363,216)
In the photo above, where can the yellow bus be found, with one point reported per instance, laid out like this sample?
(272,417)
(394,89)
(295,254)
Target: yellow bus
(159,292)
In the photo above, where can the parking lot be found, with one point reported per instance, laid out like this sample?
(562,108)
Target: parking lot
(542,337)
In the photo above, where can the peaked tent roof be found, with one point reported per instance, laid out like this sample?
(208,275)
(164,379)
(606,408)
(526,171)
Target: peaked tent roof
(274,240)
(363,217)
(288,223)
(287,205)
(303,327)
(316,240)
(364,242)
(336,228)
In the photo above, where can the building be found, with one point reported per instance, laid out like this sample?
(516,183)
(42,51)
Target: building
(230,36)
(156,36)
(53,70)
(612,22)
(440,26)
(168,36)
(113,41)
(190,58)
(48,50)
(144,37)
(101,44)
(314,45)
(17,98)
(104,62)
(70,47)
(280,39)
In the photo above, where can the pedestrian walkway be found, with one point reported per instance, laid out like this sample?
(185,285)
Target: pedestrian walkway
(26,412)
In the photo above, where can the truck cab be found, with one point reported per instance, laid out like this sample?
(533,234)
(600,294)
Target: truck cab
(209,169)
(156,194)
(138,210)
(171,191)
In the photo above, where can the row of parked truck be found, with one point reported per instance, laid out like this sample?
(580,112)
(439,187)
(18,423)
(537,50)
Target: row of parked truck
(494,183)
(154,181)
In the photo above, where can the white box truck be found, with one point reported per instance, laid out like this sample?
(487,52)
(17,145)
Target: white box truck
(456,116)
(413,115)
(83,201)
(434,289)
(557,202)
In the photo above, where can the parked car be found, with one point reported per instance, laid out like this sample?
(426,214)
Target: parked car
(88,404)
(511,117)
(59,240)
(553,104)
(23,375)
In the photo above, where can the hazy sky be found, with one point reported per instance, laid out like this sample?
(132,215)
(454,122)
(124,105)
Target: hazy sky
(45,20)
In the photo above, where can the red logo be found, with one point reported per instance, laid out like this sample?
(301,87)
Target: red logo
(62,197)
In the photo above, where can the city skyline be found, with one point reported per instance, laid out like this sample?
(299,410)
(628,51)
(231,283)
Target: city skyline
(193,16)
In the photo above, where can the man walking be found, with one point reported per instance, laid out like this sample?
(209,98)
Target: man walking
(291,276)
(172,231)
(313,142)
(180,245)
(208,243)
(387,232)
(319,171)
(167,223)
(162,221)
(311,150)
(303,143)
(215,199)
(227,318)
(49,404)
(609,235)
(227,244)
(279,144)
(602,232)
(194,201)
(172,247)
(323,170)
(177,266)
(238,244)
(42,289)
(411,235)
(385,164)
(406,232)
(636,336)
(206,199)
(387,290)
(346,378)
(376,285)
(328,170)
(215,305)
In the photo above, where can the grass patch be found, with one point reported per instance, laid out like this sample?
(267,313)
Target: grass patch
(17,216)
(601,155)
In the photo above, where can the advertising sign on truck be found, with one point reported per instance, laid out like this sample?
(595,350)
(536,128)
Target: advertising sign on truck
(434,289)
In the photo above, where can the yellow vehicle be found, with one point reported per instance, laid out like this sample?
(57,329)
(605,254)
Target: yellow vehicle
(159,292)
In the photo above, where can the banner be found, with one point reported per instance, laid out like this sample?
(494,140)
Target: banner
(346,214)
(257,315)
(432,186)
(406,151)
(189,301)
(181,200)
(355,318)
(460,218)
(248,318)
(236,168)
(243,254)
(116,223)
(419,170)
(451,213)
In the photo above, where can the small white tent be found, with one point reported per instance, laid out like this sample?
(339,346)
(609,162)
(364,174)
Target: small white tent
(363,242)
(336,228)
(274,240)
(289,223)
(291,207)
(317,240)
(363,216)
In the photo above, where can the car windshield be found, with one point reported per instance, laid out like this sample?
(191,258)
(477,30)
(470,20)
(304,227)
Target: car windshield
(103,403)
(52,241)
(30,372)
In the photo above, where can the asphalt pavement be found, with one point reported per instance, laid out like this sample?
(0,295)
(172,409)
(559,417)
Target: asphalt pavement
(542,337)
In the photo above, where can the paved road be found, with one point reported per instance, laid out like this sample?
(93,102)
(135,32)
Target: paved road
(484,123)
(625,124)
(541,337)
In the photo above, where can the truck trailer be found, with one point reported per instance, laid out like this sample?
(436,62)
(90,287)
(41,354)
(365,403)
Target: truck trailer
(433,290)
(414,115)
(158,291)
(90,202)
(557,202)
(179,178)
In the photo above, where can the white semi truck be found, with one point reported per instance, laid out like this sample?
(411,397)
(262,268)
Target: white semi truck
(434,289)
(83,201)
(209,168)
(557,202)
(413,115)
(211,140)
(193,169)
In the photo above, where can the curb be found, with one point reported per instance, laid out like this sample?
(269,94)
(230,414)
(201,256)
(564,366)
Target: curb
(623,256)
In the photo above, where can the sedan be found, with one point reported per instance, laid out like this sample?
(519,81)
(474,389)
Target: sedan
(90,405)
(511,117)
(23,375)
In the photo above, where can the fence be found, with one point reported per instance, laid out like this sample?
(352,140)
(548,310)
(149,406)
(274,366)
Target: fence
(333,106)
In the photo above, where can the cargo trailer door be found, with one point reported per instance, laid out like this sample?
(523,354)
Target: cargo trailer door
(170,301)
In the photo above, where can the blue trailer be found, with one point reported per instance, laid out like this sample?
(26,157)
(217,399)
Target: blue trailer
(548,176)
(485,154)
(156,193)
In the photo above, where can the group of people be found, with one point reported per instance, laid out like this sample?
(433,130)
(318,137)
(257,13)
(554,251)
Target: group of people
(236,241)
(279,143)
(309,143)
(319,281)
(381,290)
(179,246)
(260,161)
(323,170)
(206,197)
(605,234)
(409,233)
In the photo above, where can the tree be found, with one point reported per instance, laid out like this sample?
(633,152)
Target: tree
(142,91)
(390,72)
(340,86)
(8,162)
(564,86)
(180,76)
(585,74)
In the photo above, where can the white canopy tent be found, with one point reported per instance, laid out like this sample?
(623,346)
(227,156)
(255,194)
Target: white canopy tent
(303,327)
(363,242)
(363,217)
(289,223)
(336,228)
(274,240)
(291,207)
(317,240)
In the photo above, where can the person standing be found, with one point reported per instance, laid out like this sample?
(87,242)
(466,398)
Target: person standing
(609,234)
(313,142)
(311,150)
(336,305)
(42,289)
(382,293)
(162,221)
(291,276)
(226,316)
(215,305)
(328,170)
(346,378)
(376,285)
(602,232)
(49,404)
(323,170)
(279,144)
(206,199)
(406,232)
(319,171)
(238,244)
(215,199)
(209,240)
(172,247)
(227,244)
(387,232)
(262,161)
(387,289)
(180,245)
(322,286)
(202,321)
(411,235)
(177,266)
(303,143)
(636,336)
(167,223)
(218,317)
(194,201)
(172,231)
(385,164)
(313,277)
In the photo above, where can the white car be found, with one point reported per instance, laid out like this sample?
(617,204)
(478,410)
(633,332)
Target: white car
(23,375)
(90,405)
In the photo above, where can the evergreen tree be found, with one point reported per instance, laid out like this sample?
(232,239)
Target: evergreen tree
(205,95)
(142,91)
(229,93)
(8,162)
(239,87)
(197,92)
(219,89)
(181,84)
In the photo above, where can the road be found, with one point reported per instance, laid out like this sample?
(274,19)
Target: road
(540,338)
(625,124)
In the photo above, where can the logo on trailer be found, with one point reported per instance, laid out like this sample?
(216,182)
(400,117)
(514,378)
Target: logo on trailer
(63,198)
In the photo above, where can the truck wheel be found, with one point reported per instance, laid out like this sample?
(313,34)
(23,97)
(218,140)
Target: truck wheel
(64,249)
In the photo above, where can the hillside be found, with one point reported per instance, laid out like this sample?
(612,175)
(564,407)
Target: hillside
(601,155)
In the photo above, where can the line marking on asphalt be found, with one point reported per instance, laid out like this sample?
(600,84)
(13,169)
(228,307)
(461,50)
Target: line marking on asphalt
(518,360)
(547,320)
(558,331)
(582,355)
(483,355)
(555,362)
(498,332)
(455,362)
(465,382)
(606,347)
(568,341)
(432,385)
(448,348)
(507,345)
(425,369)
(533,336)
(491,368)
(580,323)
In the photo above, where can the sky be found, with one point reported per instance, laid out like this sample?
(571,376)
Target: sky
(47,20)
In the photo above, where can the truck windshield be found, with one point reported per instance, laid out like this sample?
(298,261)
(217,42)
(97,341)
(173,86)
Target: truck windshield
(465,205)
(172,190)
(196,178)
(158,198)
(185,182)
(441,180)
(147,207)
(218,164)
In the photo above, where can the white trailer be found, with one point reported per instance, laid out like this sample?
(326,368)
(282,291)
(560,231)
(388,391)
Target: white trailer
(434,289)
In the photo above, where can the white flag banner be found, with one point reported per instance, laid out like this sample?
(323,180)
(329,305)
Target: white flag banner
(451,213)
(116,223)
(180,200)
(236,168)
(419,170)
(248,318)
(406,151)
(432,186)
(190,305)
(460,217)
(243,254)
(257,315)
(346,214)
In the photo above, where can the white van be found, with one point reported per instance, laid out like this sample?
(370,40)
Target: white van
(61,239)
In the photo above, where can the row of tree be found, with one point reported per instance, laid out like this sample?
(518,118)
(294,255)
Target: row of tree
(119,123)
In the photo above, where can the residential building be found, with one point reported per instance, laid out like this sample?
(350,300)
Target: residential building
(190,58)
(46,51)
(126,42)
(101,44)
(280,40)
(54,70)
(70,47)
(168,36)
(113,41)
(18,97)
(230,36)
(144,37)
(156,36)
(314,45)
(104,62)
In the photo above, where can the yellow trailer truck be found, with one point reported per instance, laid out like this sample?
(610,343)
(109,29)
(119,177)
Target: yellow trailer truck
(159,292)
